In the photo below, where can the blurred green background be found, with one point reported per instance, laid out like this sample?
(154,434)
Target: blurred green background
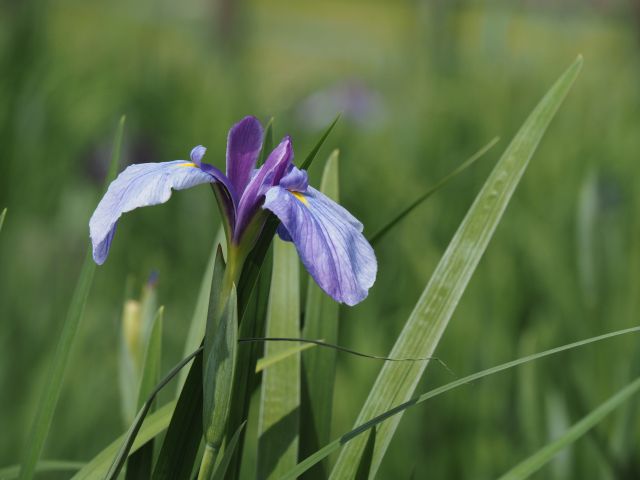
(422,84)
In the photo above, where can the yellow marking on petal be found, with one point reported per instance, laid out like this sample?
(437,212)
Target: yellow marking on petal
(190,164)
(300,197)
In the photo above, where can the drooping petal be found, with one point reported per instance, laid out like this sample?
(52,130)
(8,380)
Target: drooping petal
(329,241)
(295,179)
(270,174)
(243,147)
(139,185)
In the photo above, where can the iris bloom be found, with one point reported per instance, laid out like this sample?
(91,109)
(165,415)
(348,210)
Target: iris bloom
(327,237)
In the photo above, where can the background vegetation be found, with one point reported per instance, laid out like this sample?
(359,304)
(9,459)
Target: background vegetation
(422,86)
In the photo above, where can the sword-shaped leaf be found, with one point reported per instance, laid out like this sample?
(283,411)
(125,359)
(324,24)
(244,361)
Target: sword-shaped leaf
(278,419)
(53,385)
(375,238)
(536,461)
(430,317)
(2,215)
(356,433)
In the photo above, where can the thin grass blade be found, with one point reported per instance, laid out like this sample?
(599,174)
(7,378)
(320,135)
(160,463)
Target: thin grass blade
(314,151)
(430,317)
(220,471)
(319,365)
(367,457)
(43,466)
(278,420)
(180,446)
(53,386)
(539,459)
(2,215)
(130,436)
(266,362)
(335,445)
(267,144)
(153,425)
(375,238)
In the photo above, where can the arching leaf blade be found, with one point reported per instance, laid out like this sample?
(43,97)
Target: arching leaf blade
(376,237)
(152,426)
(539,459)
(430,317)
(338,443)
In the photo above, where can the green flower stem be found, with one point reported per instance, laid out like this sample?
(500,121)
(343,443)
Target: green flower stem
(208,462)
(233,269)
(216,415)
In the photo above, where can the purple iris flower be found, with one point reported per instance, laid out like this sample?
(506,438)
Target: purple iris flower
(327,237)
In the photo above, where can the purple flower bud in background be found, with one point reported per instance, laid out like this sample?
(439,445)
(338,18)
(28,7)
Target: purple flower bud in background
(357,103)
(327,237)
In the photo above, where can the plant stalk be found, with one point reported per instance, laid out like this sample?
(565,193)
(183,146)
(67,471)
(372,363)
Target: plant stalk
(208,462)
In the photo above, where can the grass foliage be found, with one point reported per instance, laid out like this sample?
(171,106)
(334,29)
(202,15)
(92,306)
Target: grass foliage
(418,87)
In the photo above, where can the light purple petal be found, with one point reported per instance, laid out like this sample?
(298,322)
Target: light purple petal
(277,164)
(244,143)
(296,180)
(197,153)
(139,185)
(329,241)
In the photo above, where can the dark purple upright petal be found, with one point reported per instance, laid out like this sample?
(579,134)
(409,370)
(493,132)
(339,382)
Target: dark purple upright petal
(329,241)
(275,167)
(243,147)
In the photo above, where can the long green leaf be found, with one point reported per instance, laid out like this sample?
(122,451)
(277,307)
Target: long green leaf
(280,396)
(536,461)
(430,317)
(132,434)
(198,323)
(266,362)
(220,472)
(367,457)
(2,215)
(335,445)
(375,238)
(145,427)
(219,370)
(319,365)
(211,339)
(246,380)
(152,426)
(51,392)
(180,447)
(43,466)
